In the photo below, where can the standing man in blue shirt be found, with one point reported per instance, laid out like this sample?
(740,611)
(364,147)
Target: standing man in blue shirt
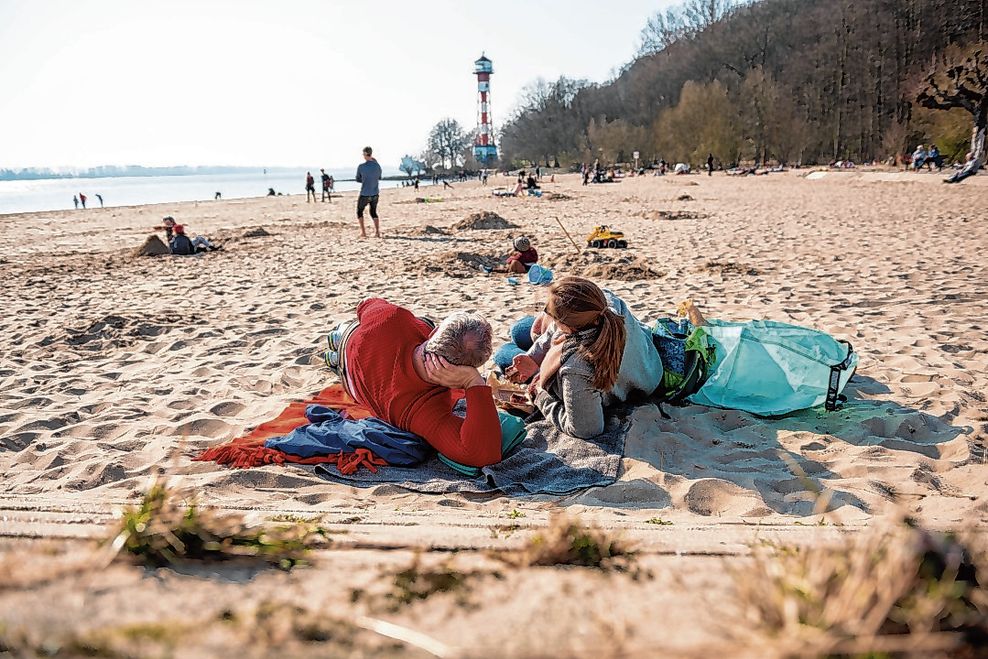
(368,175)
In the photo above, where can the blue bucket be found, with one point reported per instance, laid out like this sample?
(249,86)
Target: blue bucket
(539,276)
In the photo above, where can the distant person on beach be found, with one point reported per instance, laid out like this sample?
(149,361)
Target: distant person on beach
(919,157)
(182,245)
(369,178)
(971,167)
(933,158)
(325,185)
(217,196)
(82,200)
(75,200)
(310,188)
(168,224)
(100,197)
(710,164)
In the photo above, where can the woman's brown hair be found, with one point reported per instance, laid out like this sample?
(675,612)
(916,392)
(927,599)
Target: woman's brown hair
(582,305)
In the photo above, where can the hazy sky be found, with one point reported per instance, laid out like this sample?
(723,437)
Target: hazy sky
(297,82)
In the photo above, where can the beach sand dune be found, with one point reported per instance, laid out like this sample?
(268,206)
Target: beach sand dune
(115,367)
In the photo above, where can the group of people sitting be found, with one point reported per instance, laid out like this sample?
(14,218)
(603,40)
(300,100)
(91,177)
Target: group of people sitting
(180,244)
(583,353)
(931,158)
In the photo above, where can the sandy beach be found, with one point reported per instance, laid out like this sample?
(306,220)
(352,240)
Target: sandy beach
(115,368)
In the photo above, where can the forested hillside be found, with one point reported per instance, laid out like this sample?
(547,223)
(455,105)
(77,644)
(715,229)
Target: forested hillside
(776,80)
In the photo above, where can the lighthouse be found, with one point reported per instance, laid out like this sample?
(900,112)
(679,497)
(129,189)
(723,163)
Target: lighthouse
(484,149)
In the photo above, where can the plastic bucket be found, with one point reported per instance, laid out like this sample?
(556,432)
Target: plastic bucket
(539,276)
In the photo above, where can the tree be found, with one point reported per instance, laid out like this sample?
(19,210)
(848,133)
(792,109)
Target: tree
(704,121)
(616,140)
(960,81)
(411,166)
(447,141)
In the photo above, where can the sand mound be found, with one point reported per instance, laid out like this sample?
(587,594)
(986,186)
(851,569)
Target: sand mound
(153,246)
(256,232)
(603,264)
(483,220)
(684,197)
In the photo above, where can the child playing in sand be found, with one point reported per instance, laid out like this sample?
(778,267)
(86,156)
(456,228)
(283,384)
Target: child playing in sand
(521,259)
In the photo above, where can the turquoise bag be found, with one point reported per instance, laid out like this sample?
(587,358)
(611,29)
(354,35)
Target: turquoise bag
(512,435)
(770,368)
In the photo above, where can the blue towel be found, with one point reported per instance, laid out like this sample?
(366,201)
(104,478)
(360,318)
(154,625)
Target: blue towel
(329,433)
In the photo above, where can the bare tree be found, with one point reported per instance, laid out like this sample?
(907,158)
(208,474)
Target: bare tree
(447,140)
(961,82)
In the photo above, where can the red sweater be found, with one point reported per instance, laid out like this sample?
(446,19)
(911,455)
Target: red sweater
(383,379)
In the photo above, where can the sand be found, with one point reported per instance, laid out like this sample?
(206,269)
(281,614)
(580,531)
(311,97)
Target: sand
(116,367)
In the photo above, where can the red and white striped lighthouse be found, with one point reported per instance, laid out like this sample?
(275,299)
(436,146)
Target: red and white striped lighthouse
(484,149)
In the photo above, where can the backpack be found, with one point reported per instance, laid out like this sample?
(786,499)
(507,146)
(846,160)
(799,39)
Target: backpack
(770,368)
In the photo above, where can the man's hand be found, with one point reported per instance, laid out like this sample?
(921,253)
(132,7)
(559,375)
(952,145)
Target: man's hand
(441,372)
(522,369)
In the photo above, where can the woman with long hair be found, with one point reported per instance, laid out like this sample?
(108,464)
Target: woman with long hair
(595,354)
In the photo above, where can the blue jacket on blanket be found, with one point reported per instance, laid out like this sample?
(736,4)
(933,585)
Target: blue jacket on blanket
(329,433)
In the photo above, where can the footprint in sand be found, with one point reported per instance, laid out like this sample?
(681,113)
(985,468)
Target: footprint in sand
(713,496)
(227,408)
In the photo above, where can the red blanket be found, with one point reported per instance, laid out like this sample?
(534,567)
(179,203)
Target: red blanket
(249,450)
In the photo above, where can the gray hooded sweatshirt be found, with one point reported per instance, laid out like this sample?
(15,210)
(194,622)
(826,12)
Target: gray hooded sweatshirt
(572,403)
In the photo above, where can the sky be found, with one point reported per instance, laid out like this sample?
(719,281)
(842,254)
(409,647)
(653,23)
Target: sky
(289,83)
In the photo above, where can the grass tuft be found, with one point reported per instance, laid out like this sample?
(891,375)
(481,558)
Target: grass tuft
(164,529)
(415,584)
(567,542)
(885,591)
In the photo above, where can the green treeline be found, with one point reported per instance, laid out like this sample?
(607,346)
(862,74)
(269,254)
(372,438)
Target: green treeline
(787,81)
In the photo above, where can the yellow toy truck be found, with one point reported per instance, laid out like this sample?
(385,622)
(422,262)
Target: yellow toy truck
(603,236)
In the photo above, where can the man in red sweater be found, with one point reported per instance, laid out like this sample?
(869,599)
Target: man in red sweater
(411,376)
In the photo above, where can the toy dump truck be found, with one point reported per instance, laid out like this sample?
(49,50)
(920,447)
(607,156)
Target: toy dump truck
(604,236)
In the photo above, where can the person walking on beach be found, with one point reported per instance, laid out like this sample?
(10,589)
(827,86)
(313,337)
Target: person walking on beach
(369,177)
(75,200)
(325,186)
(82,200)
(310,188)
(100,197)
(710,164)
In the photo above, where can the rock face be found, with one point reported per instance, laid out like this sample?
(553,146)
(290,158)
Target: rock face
(484,220)
(153,246)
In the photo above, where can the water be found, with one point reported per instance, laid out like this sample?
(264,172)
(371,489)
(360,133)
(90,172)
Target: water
(56,194)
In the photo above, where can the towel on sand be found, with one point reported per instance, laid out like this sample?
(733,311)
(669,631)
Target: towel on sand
(548,462)
(250,450)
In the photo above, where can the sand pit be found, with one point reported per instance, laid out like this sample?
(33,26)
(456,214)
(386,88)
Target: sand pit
(612,265)
(730,268)
(153,246)
(454,264)
(483,220)
(256,232)
(671,215)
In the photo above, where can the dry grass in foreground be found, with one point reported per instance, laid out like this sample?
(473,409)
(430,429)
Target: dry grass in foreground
(890,591)
(568,542)
(164,529)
